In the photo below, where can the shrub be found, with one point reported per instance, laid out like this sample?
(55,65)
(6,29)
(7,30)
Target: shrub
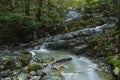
(17,28)
(105,44)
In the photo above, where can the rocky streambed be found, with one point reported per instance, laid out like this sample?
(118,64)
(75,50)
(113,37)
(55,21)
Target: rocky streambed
(48,65)
(39,61)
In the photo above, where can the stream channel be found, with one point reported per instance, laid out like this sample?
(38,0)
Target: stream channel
(79,68)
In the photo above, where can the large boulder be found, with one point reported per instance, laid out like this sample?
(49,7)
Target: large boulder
(14,60)
(25,58)
(8,62)
(35,66)
(79,49)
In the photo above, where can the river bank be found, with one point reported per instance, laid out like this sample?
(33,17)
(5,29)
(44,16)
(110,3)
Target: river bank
(39,66)
(38,60)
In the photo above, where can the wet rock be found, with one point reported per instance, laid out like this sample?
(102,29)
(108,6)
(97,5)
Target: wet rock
(15,72)
(22,76)
(39,72)
(2,67)
(6,78)
(16,64)
(69,40)
(8,62)
(14,60)
(79,49)
(5,73)
(35,78)
(33,73)
(25,59)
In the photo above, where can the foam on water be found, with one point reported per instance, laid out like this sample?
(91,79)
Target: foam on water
(85,70)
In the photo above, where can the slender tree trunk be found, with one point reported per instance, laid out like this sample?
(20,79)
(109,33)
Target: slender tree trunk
(23,5)
(27,7)
(12,4)
(49,2)
(106,4)
(118,26)
(49,5)
(38,16)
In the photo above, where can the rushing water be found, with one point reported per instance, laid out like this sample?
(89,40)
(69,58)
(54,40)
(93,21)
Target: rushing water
(71,14)
(79,68)
(84,70)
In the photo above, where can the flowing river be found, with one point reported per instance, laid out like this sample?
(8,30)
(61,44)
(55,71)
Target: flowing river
(79,68)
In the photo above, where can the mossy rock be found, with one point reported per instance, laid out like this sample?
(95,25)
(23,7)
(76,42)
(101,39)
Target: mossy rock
(15,64)
(79,49)
(25,59)
(35,66)
(116,71)
(11,63)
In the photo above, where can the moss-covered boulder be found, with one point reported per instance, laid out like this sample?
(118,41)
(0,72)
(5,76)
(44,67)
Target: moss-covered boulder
(79,49)
(10,63)
(25,59)
(35,66)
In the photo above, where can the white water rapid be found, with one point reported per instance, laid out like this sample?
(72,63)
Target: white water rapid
(84,70)
(79,68)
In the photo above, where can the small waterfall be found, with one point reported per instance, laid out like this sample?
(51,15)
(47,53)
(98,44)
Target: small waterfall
(82,68)
(43,48)
(32,53)
(71,14)
(39,49)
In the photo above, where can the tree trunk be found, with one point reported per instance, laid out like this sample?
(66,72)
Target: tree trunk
(106,4)
(27,7)
(49,2)
(12,4)
(38,16)
(118,26)
(49,5)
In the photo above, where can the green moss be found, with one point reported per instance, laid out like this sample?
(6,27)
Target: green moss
(105,44)
(113,60)
(35,66)
(11,63)
(25,59)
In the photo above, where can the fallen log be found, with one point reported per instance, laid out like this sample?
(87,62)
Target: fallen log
(62,60)
(44,73)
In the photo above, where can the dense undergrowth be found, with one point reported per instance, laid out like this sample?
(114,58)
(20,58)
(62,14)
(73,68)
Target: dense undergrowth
(108,45)
(17,27)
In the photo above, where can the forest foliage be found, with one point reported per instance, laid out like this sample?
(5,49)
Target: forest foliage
(20,18)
